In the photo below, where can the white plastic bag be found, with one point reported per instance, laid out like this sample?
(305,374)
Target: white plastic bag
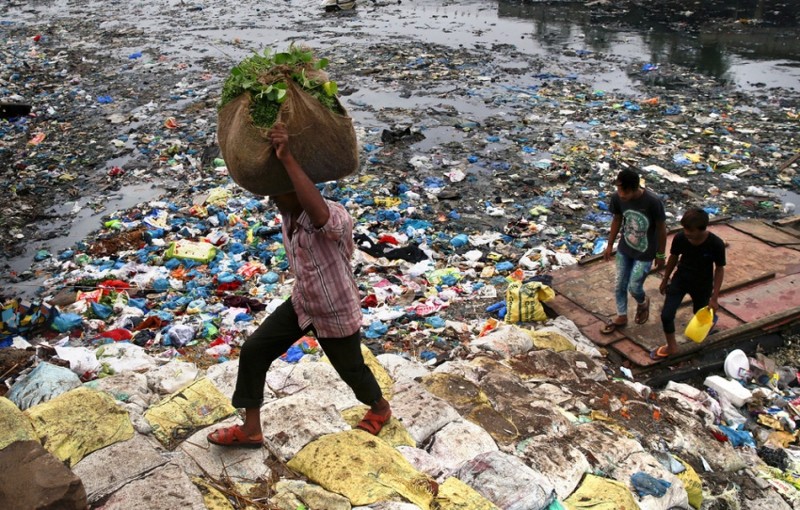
(82,361)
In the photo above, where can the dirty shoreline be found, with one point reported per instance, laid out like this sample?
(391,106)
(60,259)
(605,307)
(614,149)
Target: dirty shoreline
(490,134)
(102,89)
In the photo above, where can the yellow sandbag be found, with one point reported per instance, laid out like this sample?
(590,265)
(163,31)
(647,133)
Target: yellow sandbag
(698,328)
(180,414)
(212,497)
(14,425)
(692,484)
(393,432)
(599,493)
(472,403)
(78,422)
(551,340)
(456,495)
(524,301)
(363,468)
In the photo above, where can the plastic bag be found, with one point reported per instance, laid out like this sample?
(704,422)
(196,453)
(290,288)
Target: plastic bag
(66,322)
(43,383)
(692,484)
(647,485)
(82,360)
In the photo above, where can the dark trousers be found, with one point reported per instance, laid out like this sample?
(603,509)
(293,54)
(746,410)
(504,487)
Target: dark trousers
(274,337)
(678,287)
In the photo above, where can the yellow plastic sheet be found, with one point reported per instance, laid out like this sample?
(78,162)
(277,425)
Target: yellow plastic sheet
(14,425)
(78,422)
(692,484)
(196,406)
(200,251)
(387,201)
(599,493)
(524,301)
(437,276)
(780,439)
(364,469)
(456,495)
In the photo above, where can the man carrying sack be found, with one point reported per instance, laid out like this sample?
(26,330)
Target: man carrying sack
(318,235)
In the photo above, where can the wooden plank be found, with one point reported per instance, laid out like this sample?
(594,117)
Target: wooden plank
(593,333)
(651,334)
(785,222)
(634,352)
(588,323)
(790,162)
(561,305)
(761,301)
(765,232)
(724,339)
(727,289)
(585,294)
(590,287)
(701,364)
(748,257)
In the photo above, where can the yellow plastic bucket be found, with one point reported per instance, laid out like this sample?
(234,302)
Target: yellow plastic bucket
(698,328)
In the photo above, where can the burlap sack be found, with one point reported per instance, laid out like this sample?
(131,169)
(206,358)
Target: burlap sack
(323,143)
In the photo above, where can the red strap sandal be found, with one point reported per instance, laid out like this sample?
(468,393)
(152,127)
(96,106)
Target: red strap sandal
(233,437)
(373,422)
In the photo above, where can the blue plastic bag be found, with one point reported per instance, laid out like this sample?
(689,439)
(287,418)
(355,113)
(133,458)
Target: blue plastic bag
(738,437)
(459,240)
(647,485)
(67,322)
(376,330)
(101,311)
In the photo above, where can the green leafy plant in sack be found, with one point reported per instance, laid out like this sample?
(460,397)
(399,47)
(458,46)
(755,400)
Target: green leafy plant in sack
(264,76)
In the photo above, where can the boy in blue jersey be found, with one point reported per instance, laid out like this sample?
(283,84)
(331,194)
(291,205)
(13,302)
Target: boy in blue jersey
(639,215)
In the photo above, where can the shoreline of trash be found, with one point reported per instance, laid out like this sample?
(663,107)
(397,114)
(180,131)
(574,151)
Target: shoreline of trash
(483,167)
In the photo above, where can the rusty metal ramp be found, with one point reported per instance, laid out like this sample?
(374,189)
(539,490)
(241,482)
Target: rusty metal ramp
(760,294)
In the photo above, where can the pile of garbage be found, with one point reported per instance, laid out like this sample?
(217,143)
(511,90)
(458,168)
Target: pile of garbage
(531,414)
(528,155)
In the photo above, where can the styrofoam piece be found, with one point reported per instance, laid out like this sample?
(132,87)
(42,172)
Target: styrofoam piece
(735,392)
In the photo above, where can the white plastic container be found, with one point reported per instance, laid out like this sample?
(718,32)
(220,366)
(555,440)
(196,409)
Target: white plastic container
(735,392)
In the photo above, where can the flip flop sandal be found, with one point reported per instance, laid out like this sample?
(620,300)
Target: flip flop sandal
(612,326)
(373,422)
(659,353)
(642,312)
(233,437)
